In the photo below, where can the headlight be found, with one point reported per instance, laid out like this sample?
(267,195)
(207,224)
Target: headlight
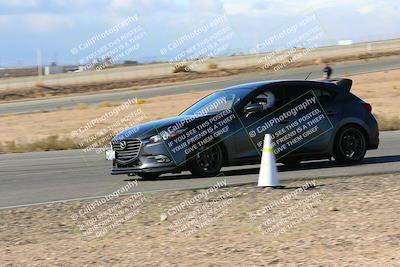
(155,138)
(164,135)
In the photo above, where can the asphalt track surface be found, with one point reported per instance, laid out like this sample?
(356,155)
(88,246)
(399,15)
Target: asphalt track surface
(340,69)
(43,177)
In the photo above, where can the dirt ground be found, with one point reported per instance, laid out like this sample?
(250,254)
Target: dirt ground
(42,90)
(63,122)
(340,222)
(381,89)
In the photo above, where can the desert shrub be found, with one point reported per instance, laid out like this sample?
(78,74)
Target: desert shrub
(107,104)
(49,143)
(181,68)
(212,66)
(140,101)
(82,106)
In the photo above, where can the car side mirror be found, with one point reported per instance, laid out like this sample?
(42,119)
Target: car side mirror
(253,108)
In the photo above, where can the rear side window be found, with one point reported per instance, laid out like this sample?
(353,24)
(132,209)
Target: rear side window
(293,92)
(323,95)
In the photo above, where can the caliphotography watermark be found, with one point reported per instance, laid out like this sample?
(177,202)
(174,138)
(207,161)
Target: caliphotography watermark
(292,209)
(289,45)
(292,126)
(200,211)
(99,217)
(191,50)
(97,133)
(185,138)
(110,47)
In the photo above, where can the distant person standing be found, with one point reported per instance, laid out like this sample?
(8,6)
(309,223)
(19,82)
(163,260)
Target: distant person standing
(327,72)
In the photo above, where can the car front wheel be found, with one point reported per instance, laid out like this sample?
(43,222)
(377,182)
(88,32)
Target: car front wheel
(350,145)
(207,161)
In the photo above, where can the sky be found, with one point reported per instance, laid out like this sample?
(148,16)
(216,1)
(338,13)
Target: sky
(56,27)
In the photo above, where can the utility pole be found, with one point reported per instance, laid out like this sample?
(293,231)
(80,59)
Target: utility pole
(39,64)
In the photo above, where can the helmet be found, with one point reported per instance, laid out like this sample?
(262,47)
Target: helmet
(267,99)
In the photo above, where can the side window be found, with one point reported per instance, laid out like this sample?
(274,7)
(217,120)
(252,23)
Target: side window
(293,92)
(323,95)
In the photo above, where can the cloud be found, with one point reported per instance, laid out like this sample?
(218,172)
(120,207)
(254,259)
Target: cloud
(172,7)
(19,3)
(278,7)
(51,21)
(365,9)
(38,22)
(4,20)
(121,3)
(237,8)
(48,22)
(206,6)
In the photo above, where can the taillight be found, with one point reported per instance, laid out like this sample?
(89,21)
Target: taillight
(367,107)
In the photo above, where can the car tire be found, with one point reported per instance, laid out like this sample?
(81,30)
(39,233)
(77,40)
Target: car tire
(207,161)
(148,176)
(350,145)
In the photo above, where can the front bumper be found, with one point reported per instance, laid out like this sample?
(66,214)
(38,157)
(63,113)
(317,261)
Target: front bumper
(129,170)
(149,160)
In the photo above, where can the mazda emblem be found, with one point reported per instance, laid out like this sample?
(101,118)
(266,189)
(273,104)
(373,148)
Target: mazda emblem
(122,145)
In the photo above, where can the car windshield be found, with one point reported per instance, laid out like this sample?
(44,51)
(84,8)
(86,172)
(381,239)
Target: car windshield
(216,102)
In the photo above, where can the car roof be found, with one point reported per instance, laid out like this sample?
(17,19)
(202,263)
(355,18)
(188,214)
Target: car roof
(255,85)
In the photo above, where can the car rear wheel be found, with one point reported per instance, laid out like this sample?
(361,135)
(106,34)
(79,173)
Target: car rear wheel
(350,145)
(207,161)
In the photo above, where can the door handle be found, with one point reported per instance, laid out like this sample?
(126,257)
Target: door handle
(331,113)
(284,121)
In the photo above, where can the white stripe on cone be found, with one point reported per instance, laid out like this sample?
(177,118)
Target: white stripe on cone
(268,172)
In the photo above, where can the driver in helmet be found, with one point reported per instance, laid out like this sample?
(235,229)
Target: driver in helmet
(267,100)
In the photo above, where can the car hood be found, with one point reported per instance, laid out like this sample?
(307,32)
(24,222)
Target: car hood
(148,129)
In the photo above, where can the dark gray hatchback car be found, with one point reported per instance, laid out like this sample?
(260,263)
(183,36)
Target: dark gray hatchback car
(308,120)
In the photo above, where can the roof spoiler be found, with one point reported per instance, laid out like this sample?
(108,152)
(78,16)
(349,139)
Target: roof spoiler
(344,84)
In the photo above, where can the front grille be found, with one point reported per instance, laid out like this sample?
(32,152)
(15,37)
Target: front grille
(129,153)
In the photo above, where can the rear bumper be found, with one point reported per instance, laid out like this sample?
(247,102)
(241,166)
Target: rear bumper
(373,142)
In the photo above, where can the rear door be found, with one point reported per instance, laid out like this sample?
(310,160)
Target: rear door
(316,120)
